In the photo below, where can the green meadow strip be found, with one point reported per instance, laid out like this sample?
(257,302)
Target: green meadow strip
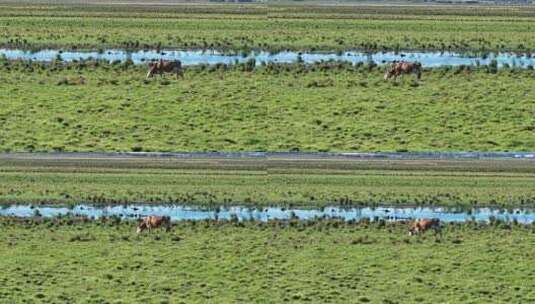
(48,260)
(96,106)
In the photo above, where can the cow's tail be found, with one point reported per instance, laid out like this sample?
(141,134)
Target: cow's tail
(168,224)
(418,70)
(178,68)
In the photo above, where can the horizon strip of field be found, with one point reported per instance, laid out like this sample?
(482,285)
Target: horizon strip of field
(268,182)
(272,155)
(279,28)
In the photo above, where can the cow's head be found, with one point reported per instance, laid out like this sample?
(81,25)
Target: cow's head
(142,226)
(413,229)
(153,67)
(391,70)
(388,74)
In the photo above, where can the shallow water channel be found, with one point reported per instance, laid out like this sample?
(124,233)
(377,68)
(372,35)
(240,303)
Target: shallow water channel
(180,213)
(194,57)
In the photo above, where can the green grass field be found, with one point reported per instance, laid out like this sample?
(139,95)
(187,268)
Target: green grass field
(268,27)
(97,106)
(306,183)
(308,262)
(329,107)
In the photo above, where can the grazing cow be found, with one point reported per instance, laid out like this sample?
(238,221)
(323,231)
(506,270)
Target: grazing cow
(421,226)
(152,221)
(403,67)
(164,66)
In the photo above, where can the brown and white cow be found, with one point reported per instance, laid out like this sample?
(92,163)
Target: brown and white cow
(164,66)
(422,225)
(152,221)
(403,67)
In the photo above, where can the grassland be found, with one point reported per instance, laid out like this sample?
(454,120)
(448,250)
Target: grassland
(68,260)
(305,183)
(96,106)
(267,27)
(325,107)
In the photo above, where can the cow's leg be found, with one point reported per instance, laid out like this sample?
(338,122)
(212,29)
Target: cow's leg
(179,72)
(396,77)
(438,230)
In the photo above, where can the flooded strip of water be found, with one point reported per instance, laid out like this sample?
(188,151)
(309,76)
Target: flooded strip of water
(211,57)
(181,213)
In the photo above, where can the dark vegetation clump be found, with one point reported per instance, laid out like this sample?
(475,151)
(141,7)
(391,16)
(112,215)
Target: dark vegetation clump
(363,240)
(86,237)
(492,67)
(320,83)
(248,66)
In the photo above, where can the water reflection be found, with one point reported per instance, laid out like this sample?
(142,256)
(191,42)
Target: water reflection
(194,57)
(179,213)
